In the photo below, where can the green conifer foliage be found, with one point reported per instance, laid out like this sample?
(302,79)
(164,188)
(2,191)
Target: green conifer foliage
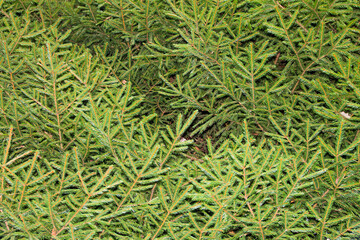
(179,119)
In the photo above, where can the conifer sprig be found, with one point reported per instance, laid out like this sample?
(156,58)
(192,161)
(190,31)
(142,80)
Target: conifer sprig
(179,119)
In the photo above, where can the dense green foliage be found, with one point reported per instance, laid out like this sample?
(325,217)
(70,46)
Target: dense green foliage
(203,119)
